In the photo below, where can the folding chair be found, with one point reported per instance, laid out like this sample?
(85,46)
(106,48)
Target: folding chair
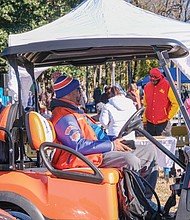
(181,134)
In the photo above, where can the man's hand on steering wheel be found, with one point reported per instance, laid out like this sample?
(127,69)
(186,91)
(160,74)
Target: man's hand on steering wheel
(119,146)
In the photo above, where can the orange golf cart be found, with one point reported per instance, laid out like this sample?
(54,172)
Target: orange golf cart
(31,188)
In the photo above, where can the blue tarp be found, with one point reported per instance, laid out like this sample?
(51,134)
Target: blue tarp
(5,99)
(146,79)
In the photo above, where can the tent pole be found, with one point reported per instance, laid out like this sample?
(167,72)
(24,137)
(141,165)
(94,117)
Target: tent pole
(113,73)
(87,82)
(129,73)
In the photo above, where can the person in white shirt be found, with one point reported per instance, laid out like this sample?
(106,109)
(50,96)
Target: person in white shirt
(116,112)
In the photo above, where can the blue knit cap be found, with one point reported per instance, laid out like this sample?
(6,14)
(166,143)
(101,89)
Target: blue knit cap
(65,85)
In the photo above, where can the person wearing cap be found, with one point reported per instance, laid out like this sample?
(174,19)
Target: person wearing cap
(160,104)
(79,132)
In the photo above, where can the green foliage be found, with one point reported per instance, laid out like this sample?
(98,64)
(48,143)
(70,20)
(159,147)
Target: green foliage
(76,72)
(143,67)
(3,65)
(25,15)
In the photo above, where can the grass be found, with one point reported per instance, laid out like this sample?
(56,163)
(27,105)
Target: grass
(163,190)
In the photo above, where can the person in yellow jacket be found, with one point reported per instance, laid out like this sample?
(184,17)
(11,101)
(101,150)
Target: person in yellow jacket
(160,104)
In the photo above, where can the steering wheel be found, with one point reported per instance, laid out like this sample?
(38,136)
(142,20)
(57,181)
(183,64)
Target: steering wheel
(133,122)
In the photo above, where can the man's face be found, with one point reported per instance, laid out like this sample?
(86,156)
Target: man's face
(154,80)
(76,95)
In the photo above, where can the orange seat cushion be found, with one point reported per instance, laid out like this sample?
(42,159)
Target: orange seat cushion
(7,119)
(39,130)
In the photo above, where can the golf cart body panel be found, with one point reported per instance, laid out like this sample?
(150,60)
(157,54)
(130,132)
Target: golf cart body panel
(44,190)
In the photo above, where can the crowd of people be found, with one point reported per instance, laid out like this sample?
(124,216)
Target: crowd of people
(157,98)
(101,144)
(134,93)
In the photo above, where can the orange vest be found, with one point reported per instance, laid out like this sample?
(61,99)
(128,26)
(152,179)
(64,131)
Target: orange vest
(63,159)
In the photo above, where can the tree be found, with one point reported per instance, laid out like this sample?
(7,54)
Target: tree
(25,15)
(176,9)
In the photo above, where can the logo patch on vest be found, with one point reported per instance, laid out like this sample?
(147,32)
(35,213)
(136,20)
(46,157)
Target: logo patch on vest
(75,136)
(69,129)
(162,91)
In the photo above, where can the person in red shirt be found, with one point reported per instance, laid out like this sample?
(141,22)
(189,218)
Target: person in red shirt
(160,104)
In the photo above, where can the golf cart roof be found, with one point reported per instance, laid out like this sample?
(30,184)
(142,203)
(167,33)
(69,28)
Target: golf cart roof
(92,51)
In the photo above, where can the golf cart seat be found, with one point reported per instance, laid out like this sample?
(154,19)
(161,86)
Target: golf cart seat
(8,133)
(7,119)
(39,130)
(41,136)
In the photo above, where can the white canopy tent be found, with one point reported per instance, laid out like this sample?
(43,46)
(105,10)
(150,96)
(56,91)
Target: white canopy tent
(26,82)
(108,19)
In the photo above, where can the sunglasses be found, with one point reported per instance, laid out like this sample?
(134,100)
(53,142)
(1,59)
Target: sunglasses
(154,77)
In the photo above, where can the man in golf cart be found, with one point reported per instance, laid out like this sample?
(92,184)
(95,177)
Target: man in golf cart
(75,129)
